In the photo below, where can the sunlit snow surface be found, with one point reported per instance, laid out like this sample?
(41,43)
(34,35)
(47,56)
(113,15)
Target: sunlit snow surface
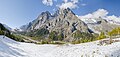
(11,48)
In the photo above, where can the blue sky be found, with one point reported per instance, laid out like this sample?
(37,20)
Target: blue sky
(15,13)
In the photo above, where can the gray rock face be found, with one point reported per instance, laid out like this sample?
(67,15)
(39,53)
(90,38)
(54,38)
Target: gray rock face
(27,26)
(63,21)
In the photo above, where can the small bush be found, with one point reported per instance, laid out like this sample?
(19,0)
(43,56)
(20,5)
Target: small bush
(101,36)
(44,42)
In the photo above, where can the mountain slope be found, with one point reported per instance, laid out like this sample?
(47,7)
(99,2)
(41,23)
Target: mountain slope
(64,18)
(4,30)
(100,25)
(7,27)
(11,48)
(63,23)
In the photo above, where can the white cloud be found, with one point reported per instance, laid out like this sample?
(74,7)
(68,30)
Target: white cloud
(72,4)
(68,4)
(47,2)
(99,13)
(86,16)
(74,1)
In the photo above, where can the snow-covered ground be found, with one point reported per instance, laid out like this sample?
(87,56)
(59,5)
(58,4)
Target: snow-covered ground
(11,48)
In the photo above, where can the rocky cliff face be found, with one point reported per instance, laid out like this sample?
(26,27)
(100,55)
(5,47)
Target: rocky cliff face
(63,21)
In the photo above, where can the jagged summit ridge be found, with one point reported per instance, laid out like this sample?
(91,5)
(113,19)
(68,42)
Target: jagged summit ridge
(64,18)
